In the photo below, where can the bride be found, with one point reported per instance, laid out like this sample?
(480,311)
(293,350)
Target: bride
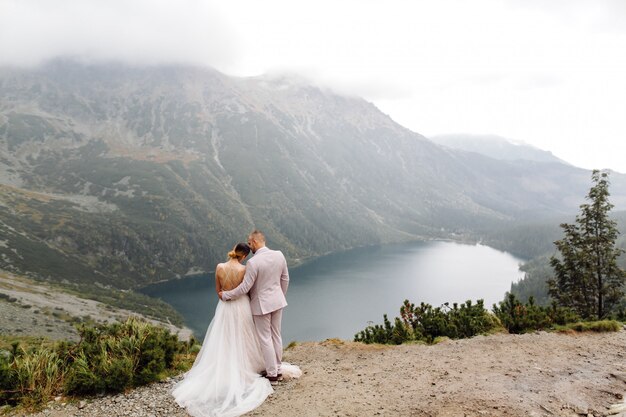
(225,378)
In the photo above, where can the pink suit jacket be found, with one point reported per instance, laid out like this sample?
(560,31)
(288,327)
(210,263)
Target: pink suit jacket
(266,281)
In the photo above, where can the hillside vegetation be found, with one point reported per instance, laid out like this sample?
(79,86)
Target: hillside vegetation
(540,238)
(114,177)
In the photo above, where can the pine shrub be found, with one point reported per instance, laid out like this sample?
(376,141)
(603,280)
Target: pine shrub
(521,318)
(108,358)
(115,357)
(427,323)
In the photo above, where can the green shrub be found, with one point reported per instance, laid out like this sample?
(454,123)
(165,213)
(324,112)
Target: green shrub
(520,318)
(385,334)
(30,377)
(427,323)
(602,326)
(81,379)
(118,374)
(7,381)
(108,358)
(620,312)
(119,356)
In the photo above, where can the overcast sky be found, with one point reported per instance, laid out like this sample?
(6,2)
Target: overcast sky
(551,73)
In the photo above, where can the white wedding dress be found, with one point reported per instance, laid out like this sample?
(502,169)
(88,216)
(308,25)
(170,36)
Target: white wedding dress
(224,380)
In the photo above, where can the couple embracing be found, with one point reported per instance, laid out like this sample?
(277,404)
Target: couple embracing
(241,357)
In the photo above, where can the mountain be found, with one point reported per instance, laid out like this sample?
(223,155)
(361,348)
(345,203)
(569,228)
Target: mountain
(495,147)
(120,176)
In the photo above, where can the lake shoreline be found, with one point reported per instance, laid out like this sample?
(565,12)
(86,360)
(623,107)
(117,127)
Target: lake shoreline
(304,261)
(433,271)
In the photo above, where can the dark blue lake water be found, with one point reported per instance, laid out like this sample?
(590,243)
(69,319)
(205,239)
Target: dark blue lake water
(339,294)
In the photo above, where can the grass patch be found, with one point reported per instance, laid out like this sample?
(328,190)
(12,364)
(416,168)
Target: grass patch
(129,300)
(602,326)
(333,342)
(25,342)
(440,339)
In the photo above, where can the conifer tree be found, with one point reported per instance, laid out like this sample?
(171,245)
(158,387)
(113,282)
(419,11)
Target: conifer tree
(587,277)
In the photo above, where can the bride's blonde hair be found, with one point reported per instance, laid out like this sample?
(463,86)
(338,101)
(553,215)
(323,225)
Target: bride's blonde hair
(240,251)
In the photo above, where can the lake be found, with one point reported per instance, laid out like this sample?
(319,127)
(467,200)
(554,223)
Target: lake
(340,294)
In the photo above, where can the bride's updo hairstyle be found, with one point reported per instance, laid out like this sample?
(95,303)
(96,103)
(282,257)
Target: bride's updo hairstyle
(240,251)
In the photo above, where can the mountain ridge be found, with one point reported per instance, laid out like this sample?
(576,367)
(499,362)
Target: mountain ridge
(496,147)
(157,171)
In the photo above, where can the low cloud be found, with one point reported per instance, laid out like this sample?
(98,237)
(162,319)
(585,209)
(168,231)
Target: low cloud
(136,32)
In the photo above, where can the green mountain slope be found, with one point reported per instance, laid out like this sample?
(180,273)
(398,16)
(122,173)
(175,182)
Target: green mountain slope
(123,176)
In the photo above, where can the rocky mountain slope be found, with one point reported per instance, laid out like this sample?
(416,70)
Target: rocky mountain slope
(120,176)
(495,147)
(28,308)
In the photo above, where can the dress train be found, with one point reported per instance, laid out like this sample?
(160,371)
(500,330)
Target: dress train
(224,380)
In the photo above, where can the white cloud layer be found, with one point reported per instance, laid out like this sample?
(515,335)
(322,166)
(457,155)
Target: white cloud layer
(546,72)
(135,31)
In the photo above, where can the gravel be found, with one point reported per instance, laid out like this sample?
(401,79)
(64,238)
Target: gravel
(538,374)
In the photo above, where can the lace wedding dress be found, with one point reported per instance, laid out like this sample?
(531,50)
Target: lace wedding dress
(224,380)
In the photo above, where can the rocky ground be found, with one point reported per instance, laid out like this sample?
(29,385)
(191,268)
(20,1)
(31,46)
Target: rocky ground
(29,308)
(23,319)
(539,374)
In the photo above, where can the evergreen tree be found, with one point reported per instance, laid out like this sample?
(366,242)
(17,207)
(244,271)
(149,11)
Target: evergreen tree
(587,277)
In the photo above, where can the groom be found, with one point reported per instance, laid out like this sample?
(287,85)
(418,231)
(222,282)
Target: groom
(266,281)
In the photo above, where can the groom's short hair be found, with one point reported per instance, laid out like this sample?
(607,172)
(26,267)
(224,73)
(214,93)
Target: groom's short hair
(258,236)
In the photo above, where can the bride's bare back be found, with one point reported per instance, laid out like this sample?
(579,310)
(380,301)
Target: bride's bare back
(228,276)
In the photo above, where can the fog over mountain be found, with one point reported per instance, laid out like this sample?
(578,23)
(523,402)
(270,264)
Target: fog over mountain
(495,147)
(127,175)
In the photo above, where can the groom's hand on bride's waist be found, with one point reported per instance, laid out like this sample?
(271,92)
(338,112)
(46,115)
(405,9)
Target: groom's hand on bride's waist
(219,294)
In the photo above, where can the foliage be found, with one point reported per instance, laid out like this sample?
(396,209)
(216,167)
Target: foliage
(426,323)
(30,376)
(520,318)
(619,312)
(527,240)
(538,271)
(38,375)
(602,326)
(119,356)
(128,300)
(7,377)
(108,358)
(385,334)
(587,276)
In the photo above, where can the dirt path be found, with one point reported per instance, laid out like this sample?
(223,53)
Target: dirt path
(536,374)
(539,374)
